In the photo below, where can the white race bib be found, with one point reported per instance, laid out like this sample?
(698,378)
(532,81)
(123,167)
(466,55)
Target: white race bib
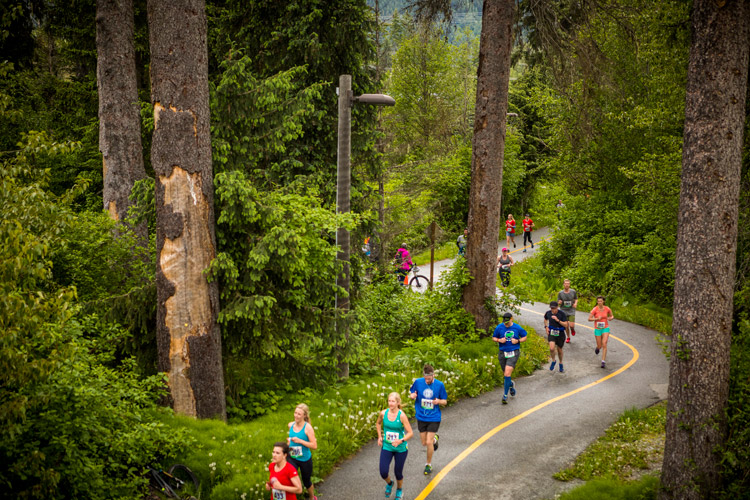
(391,436)
(510,354)
(554,333)
(295,451)
(600,324)
(279,495)
(567,303)
(427,404)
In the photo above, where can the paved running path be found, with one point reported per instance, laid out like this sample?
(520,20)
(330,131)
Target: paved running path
(539,236)
(490,451)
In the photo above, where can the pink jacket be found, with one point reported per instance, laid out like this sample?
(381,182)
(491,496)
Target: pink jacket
(406,262)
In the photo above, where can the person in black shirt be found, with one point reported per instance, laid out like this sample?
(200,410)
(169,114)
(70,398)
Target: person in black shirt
(555,322)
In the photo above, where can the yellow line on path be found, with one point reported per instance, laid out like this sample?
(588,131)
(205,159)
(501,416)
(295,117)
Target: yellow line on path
(476,444)
(540,241)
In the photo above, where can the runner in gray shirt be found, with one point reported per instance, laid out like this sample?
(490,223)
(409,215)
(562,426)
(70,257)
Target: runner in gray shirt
(568,300)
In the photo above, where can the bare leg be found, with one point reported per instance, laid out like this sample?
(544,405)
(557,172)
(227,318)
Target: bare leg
(430,445)
(605,339)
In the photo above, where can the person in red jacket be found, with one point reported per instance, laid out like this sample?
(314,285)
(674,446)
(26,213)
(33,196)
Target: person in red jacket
(510,231)
(528,225)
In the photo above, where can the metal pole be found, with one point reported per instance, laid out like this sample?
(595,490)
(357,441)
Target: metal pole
(343,187)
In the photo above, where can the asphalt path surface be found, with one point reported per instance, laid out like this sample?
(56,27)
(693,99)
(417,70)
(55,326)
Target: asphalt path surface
(493,451)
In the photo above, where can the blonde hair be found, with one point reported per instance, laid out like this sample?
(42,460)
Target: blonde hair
(305,409)
(397,396)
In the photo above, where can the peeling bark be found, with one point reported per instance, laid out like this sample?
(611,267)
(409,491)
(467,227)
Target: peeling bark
(119,112)
(705,266)
(493,76)
(188,334)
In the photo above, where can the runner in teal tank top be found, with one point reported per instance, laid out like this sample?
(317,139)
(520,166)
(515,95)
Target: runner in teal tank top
(394,430)
(301,441)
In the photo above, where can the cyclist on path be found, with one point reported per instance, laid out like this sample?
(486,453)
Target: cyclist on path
(394,430)
(555,322)
(528,225)
(283,481)
(428,394)
(601,315)
(301,440)
(568,300)
(403,263)
(509,336)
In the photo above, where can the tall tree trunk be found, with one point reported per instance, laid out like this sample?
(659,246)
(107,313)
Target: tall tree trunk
(119,112)
(188,335)
(705,263)
(487,160)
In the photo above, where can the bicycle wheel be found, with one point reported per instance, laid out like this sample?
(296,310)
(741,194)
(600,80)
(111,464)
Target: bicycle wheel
(419,283)
(183,480)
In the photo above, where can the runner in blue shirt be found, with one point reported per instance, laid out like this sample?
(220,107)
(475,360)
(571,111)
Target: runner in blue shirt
(509,336)
(428,394)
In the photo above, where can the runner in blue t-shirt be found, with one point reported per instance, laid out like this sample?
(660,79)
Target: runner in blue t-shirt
(428,394)
(509,336)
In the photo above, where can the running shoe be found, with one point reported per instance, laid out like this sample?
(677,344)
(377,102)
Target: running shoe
(573,332)
(435,442)
(561,368)
(596,351)
(532,245)
(524,250)
(427,472)
(567,341)
(514,245)
(604,364)
(399,494)
(388,489)
(552,366)
(512,389)
(505,400)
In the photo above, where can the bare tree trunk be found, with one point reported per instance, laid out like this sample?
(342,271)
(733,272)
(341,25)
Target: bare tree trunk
(706,247)
(487,160)
(119,112)
(188,335)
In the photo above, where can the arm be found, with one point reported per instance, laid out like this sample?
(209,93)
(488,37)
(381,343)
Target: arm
(311,442)
(522,339)
(379,427)
(610,316)
(295,488)
(511,260)
(413,391)
(591,316)
(407,427)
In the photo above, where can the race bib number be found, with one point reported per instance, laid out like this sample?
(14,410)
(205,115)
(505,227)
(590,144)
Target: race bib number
(600,324)
(567,303)
(295,451)
(391,436)
(511,354)
(427,404)
(279,495)
(554,333)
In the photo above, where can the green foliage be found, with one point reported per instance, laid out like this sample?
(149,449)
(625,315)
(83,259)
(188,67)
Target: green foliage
(277,269)
(77,419)
(391,312)
(646,488)
(256,123)
(635,441)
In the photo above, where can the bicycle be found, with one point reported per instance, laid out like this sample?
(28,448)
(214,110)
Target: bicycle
(177,482)
(418,282)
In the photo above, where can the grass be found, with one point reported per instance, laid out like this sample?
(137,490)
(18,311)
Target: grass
(531,282)
(631,445)
(646,488)
(231,460)
(447,250)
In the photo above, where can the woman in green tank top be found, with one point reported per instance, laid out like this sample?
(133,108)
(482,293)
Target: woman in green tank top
(394,430)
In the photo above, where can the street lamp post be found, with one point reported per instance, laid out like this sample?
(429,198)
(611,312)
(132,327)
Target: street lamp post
(343,190)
